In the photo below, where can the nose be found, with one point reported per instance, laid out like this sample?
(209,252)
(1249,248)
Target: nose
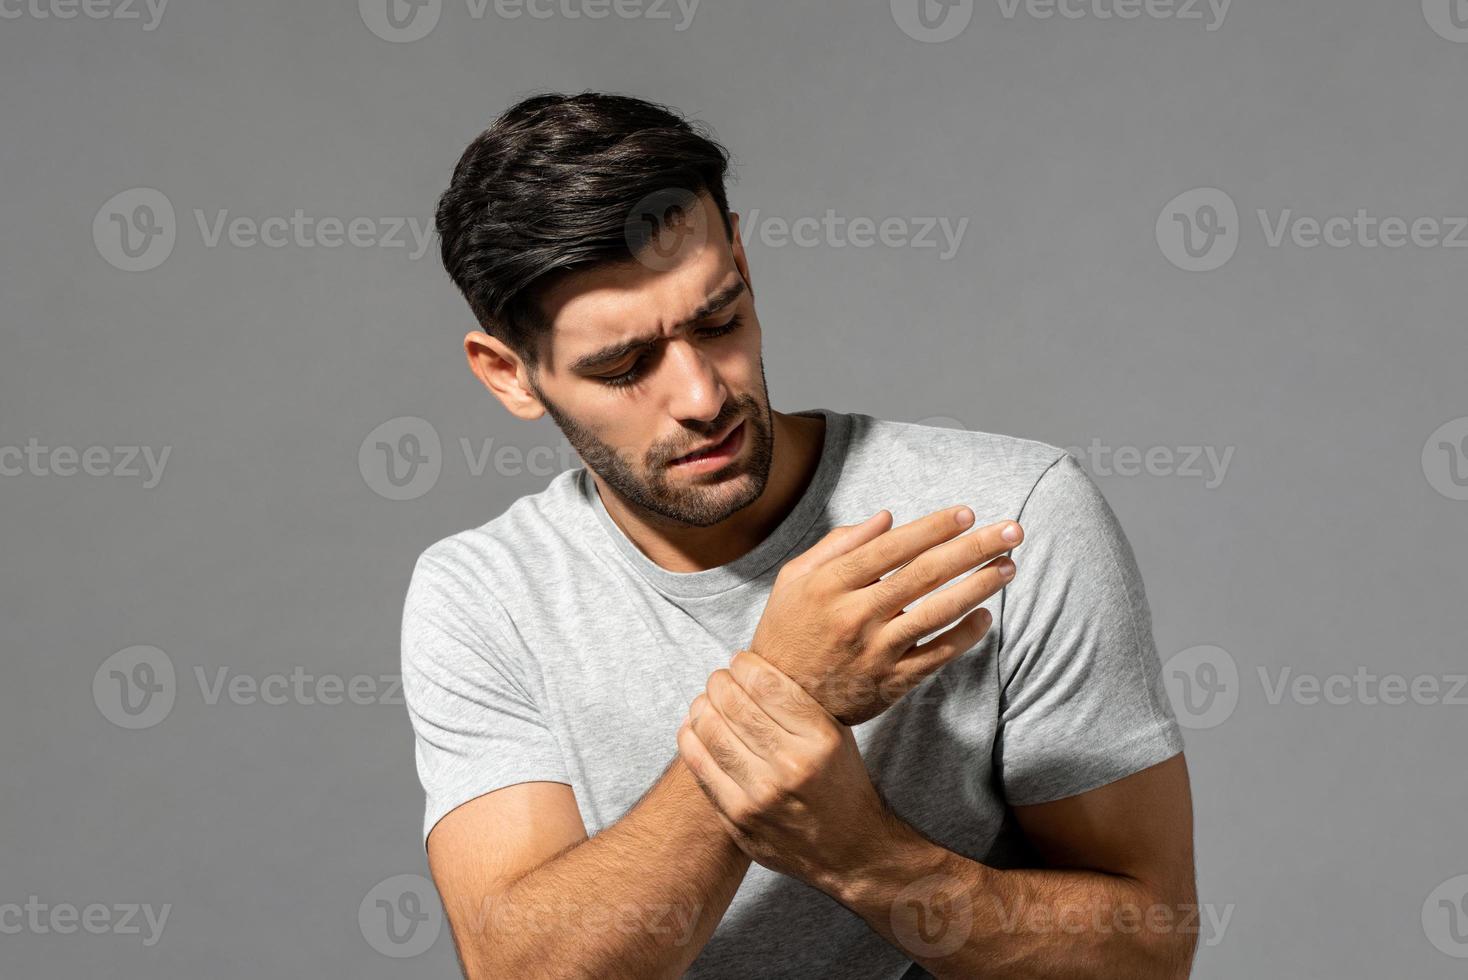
(697,394)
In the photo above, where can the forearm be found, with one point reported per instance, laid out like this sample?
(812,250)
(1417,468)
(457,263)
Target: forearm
(960,918)
(639,899)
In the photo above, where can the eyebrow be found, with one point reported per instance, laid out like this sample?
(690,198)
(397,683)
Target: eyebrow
(615,352)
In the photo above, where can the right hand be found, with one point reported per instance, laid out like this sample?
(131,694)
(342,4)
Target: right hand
(840,630)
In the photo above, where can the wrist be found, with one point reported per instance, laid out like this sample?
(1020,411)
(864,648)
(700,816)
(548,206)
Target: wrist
(897,856)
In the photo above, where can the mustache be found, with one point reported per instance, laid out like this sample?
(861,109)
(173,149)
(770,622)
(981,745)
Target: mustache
(662,455)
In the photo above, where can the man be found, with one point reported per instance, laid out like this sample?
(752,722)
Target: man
(745,697)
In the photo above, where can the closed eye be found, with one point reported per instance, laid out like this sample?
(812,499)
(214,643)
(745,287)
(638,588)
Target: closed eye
(634,373)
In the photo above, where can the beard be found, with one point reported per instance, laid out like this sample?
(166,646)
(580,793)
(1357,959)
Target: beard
(645,484)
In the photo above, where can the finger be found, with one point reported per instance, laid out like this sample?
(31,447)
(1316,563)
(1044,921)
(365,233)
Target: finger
(716,784)
(947,605)
(838,542)
(942,564)
(924,659)
(784,701)
(728,752)
(760,733)
(866,564)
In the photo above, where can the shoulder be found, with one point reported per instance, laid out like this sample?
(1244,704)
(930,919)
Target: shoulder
(504,554)
(919,461)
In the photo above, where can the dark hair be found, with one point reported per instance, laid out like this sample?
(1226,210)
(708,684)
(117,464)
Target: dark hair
(549,187)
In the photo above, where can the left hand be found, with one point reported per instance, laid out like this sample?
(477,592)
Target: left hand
(787,779)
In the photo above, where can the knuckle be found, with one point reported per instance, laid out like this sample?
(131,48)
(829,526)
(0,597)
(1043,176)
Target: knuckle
(846,569)
(828,743)
(797,771)
(982,546)
(847,621)
(766,795)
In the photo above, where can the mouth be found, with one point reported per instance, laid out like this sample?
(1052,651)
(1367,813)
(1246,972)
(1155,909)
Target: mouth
(713,455)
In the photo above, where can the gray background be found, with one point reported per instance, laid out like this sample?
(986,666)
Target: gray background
(266,548)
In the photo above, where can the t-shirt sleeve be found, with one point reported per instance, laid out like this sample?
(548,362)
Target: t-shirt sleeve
(1082,700)
(475,727)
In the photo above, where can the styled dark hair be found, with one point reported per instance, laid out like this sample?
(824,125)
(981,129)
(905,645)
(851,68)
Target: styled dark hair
(549,188)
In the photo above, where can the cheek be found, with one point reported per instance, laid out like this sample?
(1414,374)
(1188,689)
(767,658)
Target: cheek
(740,365)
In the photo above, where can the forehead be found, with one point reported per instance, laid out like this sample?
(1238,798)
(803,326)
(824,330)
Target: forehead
(590,308)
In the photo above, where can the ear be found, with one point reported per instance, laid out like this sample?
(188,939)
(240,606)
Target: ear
(740,260)
(504,373)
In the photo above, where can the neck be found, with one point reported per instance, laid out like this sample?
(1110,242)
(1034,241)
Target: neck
(682,548)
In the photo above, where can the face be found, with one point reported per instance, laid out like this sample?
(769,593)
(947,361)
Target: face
(653,372)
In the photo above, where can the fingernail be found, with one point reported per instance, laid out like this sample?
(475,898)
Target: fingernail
(965,517)
(1010,533)
(1006,568)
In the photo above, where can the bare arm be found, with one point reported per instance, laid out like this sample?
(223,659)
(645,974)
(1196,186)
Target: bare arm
(1118,899)
(528,894)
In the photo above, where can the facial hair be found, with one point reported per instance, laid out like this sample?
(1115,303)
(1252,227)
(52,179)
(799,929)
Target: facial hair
(644,484)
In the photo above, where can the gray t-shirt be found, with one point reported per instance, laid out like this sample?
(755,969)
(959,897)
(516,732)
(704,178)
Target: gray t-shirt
(546,646)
